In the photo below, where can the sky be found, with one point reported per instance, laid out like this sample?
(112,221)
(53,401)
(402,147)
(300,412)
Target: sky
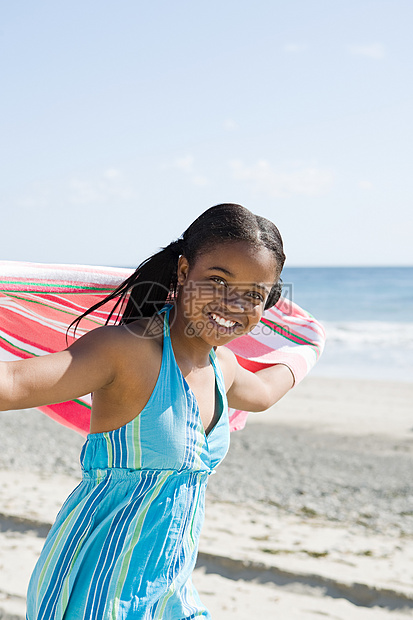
(122,121)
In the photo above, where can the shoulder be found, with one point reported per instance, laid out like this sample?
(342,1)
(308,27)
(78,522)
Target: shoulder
(115,342)
(128,354)
(228,363)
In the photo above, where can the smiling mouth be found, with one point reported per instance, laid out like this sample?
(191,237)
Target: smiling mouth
(222,322)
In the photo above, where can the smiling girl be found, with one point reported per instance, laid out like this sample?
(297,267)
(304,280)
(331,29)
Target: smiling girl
(125,542)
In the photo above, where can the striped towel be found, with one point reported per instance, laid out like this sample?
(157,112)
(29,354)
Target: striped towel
(39,301)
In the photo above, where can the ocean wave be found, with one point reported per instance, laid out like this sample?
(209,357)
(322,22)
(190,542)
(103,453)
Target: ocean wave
(371,334)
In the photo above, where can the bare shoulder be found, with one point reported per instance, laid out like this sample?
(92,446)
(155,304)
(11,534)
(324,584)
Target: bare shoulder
(145,334)
(228,363)
(117,343)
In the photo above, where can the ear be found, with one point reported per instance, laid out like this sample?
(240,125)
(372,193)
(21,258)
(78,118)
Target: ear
(182,270)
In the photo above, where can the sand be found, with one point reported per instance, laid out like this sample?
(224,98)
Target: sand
(309,516)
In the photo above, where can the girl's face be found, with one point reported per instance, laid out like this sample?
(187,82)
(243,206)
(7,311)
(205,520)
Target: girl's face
(222,294)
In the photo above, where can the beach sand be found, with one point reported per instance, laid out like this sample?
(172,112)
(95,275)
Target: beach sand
(310,515)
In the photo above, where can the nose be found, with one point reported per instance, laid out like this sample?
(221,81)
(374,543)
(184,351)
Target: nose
(235,302)
(235,307)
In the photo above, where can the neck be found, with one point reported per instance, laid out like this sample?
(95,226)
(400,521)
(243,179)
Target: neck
(191,351)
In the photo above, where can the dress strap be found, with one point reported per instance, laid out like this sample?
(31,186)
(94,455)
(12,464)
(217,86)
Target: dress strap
(166,308)
(168,353)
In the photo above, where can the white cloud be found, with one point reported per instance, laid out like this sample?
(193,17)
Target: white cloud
(199,180)
(367,185)
(374,50)
(111,173)
(39,196)
(230,125)
(309,180)
(104,189)
(294,48)
(107,186)
(185,164)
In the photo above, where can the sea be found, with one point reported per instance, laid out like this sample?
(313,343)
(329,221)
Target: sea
(367,313)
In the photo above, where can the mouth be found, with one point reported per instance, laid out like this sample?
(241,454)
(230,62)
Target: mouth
(224,325)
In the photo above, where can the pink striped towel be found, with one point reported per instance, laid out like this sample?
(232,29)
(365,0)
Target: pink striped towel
(39,301)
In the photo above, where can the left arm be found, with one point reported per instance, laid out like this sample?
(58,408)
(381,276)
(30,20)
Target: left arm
(251,391)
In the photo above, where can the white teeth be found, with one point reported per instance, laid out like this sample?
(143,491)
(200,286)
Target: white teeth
(221,321)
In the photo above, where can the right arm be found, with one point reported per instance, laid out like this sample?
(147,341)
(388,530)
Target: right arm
(87,365)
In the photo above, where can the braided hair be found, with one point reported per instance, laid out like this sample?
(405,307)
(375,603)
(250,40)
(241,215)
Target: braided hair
(155,280)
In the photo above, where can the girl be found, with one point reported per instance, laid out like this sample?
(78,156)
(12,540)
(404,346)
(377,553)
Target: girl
(125,542)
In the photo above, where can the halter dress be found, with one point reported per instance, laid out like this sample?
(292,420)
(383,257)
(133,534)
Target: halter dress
(125,542)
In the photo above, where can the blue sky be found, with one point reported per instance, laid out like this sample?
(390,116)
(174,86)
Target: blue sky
(121,122)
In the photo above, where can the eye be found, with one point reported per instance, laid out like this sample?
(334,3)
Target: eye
(256,296)
(219,280)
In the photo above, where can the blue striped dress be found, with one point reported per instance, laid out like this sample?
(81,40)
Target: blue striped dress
(125,542)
